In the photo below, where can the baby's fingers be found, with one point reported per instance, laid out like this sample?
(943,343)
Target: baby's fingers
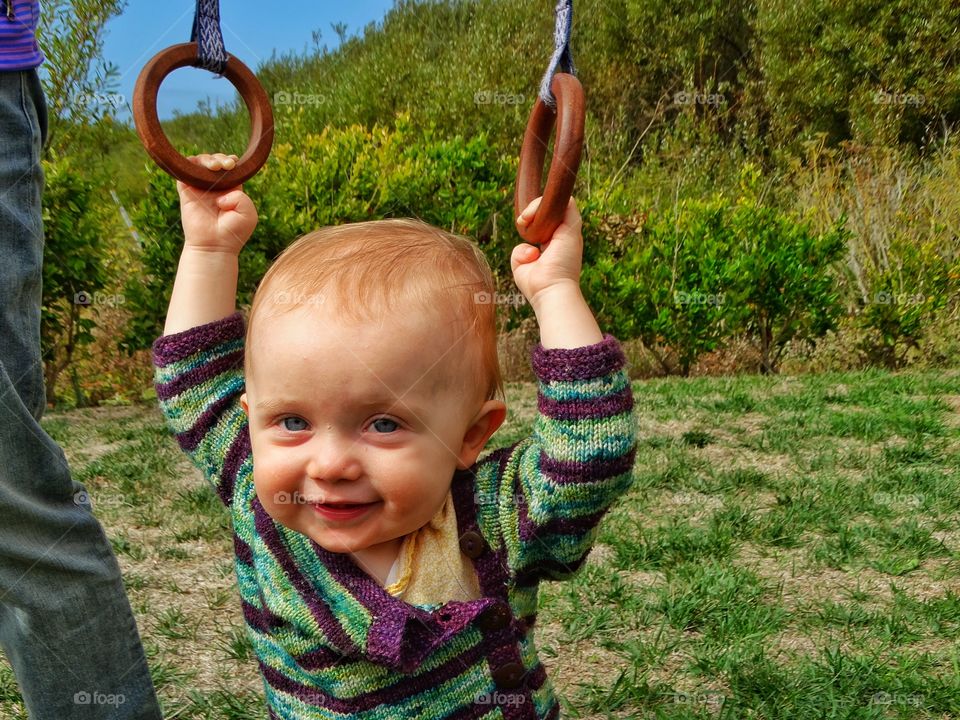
(528,213)
(215,161)
(231,199)
(523,254)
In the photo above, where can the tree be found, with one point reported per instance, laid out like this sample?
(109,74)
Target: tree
(77,212)
(77,82)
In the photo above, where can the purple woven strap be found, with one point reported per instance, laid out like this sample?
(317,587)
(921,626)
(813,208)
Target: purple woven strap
(208,36)
(562,60)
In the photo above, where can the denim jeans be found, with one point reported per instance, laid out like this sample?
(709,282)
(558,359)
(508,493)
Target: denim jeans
(65,622)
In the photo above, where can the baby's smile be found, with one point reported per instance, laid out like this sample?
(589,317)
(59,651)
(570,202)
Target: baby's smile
(342,512)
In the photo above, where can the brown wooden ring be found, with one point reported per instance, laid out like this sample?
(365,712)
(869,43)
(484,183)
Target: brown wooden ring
(569,119)
(159,147)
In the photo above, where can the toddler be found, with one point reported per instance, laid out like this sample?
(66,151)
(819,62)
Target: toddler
(385,569)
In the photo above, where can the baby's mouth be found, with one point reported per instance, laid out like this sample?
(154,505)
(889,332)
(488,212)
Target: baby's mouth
(342,510)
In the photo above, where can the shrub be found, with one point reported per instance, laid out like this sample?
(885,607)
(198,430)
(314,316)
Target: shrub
(75,272)
(699,276)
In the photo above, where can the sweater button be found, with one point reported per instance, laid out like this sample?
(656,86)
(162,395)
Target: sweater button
(495,617)
(472,544)
(508,676)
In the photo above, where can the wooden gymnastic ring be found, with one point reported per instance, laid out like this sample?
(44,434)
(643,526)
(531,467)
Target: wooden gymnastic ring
(569,119)
(159,147)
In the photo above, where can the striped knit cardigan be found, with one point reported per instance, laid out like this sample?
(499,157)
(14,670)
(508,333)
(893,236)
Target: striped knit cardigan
(330,641)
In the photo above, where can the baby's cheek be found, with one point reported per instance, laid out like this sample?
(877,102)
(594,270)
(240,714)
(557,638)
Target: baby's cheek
(415,495)
(278,496)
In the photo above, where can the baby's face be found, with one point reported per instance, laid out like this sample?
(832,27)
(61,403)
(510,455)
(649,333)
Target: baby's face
(359,413)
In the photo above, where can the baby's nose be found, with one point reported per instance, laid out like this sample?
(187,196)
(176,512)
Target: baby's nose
(334,458)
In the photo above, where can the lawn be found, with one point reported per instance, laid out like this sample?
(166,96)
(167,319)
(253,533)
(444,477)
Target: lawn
(789,550)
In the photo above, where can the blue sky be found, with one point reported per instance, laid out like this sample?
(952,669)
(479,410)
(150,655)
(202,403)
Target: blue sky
(251,31)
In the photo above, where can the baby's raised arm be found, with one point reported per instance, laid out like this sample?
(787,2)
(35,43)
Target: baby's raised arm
(216,226)
(552,488)
(549,277)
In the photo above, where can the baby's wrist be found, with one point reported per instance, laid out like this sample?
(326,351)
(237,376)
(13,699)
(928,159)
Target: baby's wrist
(564,317)
(208,252)
(558,295)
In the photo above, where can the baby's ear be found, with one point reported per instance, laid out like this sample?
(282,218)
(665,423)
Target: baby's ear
(485,423)
(243,404)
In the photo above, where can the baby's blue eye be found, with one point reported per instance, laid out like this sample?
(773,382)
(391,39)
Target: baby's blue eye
(295,419)
(385,425)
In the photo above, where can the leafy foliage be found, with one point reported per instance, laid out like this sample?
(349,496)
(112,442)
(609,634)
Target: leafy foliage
(76,80)
(906,295)
(715,270)
(74,273)
(875,72)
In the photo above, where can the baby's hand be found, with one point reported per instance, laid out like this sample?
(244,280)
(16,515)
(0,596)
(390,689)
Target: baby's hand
(215,220)
(557,262)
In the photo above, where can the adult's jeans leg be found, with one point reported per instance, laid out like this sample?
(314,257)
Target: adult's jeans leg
(65,621)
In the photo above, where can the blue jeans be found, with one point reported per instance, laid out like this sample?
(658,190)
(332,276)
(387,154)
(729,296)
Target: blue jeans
(65,621)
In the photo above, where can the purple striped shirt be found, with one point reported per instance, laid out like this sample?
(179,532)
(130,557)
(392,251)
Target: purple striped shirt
(18,38)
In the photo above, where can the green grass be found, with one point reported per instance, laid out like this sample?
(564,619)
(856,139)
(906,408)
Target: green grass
(789,550)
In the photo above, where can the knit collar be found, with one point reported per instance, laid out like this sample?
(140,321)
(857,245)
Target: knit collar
(399,635)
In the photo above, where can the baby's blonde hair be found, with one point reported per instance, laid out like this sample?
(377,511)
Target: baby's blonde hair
(388,265)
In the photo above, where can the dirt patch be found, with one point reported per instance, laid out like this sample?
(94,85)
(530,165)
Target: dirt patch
(802,589)
(953,417)
(600,554)
(789,646)
(740,458)
(102,413)
(572,664)
(89,453)
(648,427)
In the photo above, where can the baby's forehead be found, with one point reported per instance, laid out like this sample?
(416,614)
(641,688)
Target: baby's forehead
(434,346)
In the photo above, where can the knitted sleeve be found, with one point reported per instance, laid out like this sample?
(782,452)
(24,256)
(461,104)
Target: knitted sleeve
(555,486)
(198,374)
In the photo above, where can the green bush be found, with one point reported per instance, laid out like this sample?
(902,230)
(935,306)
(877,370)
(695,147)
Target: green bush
(668,284)
(836,102)
(907,295)
(881,71)
(75,270)
(710,271)
(786,276)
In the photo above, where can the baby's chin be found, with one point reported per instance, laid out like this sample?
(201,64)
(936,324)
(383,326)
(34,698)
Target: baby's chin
(328,539)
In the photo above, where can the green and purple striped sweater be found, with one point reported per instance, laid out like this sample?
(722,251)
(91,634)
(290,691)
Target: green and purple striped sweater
(331,642)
